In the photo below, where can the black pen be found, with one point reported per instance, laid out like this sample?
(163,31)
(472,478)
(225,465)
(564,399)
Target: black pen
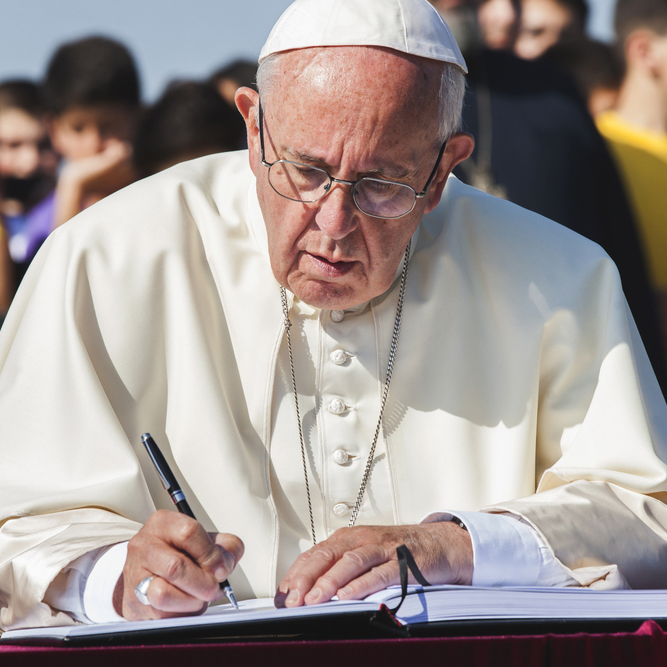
(173,488)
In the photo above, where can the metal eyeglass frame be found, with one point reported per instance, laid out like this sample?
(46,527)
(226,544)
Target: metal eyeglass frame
(353,184)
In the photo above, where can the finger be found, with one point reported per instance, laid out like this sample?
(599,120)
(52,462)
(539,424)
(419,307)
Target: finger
(376,579)
(188,564)
(150,553)
(349,567)
(165,601)
(152,557)
(319,572)
(305,571)
(167,598)
(232,550)
(315,562)
(188,535)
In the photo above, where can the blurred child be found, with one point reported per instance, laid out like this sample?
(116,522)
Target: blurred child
(91,92)
(545,22)
(637,129)
(498,22)
(536,144)
(595,68)
(189,120)
(23,141)
(27,171)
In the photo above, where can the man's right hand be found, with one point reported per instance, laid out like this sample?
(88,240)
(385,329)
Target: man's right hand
(187,562)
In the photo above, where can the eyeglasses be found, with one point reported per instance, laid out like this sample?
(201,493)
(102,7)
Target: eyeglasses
(375,197)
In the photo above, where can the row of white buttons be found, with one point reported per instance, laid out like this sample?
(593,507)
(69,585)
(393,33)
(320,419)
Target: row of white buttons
(338,407)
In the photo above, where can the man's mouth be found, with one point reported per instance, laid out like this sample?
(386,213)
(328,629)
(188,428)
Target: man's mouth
(330,269)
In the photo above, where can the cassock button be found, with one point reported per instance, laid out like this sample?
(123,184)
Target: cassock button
(337,406)
(337,315)
(339,357)
(341,457)
(341,509)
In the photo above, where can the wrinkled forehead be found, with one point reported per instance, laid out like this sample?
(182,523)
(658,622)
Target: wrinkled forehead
(363,105)
(355,79)
(358,66)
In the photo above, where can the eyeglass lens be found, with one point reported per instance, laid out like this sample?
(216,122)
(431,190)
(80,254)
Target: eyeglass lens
(373,196)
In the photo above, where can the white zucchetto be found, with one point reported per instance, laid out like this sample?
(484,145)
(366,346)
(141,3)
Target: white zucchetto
(410,26)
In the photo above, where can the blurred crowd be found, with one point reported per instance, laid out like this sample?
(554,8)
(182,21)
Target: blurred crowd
(570,127)
(82,133)
(576,130)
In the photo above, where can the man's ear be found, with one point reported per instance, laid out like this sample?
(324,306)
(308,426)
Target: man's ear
(247,102)
(637,48)
(459,148)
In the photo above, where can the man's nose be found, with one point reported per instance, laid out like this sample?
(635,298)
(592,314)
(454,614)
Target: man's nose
(337,215)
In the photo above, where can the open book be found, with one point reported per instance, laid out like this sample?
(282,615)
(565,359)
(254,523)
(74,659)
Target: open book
(421,605)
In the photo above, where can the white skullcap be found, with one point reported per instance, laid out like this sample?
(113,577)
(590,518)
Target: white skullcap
(409,26)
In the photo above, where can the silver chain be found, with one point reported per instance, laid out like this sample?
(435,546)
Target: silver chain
(288,326)
(385,393)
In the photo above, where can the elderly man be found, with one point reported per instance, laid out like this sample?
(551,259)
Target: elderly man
(249,317)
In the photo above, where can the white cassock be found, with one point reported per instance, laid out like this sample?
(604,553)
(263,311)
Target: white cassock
(518,370)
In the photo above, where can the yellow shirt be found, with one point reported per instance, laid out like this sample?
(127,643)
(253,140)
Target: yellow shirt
(641,156)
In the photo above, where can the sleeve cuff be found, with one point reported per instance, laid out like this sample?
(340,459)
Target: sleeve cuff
(101,583)
(506,551)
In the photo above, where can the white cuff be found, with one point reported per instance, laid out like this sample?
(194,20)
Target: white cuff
(84,589)
(507,551)
(101,583)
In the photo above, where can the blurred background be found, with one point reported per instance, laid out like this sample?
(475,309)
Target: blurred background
(170,40)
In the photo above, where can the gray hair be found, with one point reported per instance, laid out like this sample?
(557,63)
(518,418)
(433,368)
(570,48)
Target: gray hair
(450,107)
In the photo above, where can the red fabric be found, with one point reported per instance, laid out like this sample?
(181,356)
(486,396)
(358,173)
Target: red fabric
(645,647)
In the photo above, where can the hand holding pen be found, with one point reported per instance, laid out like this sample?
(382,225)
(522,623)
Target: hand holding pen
(175,564)
(174,489)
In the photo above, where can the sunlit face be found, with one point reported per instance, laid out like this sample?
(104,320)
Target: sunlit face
(498,22)
(354,112)
(21,143)
(84,131)
(542,22)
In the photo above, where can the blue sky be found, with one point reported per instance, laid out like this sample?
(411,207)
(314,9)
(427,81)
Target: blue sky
(184,39)
(170,39)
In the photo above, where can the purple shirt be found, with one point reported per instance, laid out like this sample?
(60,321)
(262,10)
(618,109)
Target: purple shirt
(27,232)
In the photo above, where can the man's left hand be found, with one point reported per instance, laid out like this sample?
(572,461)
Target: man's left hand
(355,562)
